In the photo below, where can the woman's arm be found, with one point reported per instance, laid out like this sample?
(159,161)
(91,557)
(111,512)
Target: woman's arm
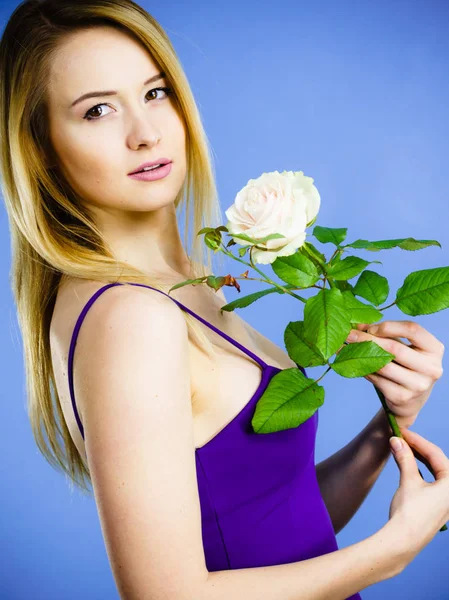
(334,576)
(354,468)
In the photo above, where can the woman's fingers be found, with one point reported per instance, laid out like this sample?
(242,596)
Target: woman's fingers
(428,453)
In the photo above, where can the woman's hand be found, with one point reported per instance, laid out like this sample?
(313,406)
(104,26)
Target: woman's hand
(419,509)
(406,382)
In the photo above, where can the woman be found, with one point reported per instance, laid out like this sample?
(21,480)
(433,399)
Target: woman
(192,503)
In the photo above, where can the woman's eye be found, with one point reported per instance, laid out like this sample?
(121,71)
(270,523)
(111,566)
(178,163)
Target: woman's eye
(89,117)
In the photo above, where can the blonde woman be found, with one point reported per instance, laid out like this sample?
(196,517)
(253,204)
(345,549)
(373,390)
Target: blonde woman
(154,407)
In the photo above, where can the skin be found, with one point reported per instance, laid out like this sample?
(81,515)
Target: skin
(408,380)
(137,218)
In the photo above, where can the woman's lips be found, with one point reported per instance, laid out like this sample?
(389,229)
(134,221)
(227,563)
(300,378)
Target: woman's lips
(154,174)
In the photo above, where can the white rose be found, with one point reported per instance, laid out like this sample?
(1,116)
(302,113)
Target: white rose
(284,203)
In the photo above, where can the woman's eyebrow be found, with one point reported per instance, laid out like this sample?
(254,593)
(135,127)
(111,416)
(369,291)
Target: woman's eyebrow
(113,92)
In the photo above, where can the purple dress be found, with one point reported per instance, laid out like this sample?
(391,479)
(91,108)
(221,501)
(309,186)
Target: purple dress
(259,495)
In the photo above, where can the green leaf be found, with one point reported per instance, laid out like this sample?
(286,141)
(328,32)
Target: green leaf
(343,286)
(403,243)
(313,252)
(188,282)
(296,269)
(289,400)
(247,300)
(214,229)
(212,240)
(330,235)
(204,230)
(326,322)
(372,286)
(215,281)
(247,238)
(348,267)
(314,255)
(358,359)
(359,312)
(424,292)
(299,348)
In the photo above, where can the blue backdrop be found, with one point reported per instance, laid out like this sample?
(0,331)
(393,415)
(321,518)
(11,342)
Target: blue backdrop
(353,93)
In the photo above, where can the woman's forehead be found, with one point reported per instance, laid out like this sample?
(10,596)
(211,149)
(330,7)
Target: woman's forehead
(98,59)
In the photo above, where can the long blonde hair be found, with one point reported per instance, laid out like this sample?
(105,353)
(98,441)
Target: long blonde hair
(52,233)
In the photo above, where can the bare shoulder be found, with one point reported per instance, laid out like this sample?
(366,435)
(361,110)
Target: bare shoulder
(134,394)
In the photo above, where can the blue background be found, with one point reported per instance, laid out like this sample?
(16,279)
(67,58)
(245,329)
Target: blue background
(355,94)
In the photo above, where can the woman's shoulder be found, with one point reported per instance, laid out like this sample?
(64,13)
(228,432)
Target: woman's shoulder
(74,293)
(72,297)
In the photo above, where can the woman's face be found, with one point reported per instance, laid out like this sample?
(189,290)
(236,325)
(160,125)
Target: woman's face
(97,146)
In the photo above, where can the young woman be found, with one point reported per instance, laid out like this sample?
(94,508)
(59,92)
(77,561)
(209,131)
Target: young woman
(154,408)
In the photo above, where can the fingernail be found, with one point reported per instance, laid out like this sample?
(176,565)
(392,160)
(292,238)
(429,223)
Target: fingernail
(396,444)
(352,336)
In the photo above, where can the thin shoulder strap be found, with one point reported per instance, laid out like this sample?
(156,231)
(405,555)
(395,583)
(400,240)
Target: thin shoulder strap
(89,303)
(224,335)
(72,348)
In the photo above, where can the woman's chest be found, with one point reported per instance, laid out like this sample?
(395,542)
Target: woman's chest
(221,385)
(224,384)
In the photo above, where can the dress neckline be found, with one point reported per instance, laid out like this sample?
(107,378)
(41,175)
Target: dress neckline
(265,376)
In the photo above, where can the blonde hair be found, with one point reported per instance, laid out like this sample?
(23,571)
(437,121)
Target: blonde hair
(52,232)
